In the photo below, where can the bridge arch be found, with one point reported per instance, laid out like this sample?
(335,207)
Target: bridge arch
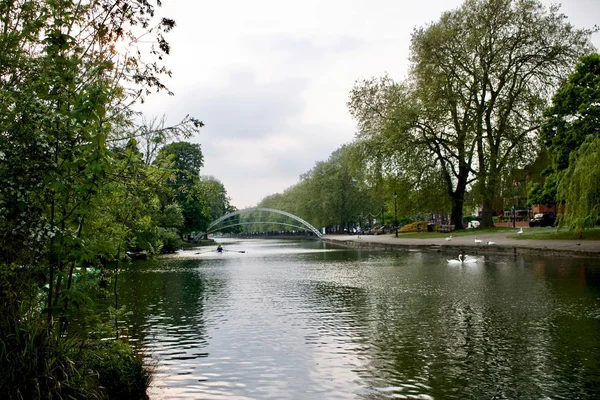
(247,210)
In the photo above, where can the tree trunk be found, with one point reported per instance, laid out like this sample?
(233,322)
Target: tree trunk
(456,215)
(487,211)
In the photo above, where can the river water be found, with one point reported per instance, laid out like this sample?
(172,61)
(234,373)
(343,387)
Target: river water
(280,319)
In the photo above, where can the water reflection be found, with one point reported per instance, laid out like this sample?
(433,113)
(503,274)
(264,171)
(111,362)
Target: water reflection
(301,320)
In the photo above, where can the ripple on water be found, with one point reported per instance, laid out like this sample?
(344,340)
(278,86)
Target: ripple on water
(288,324)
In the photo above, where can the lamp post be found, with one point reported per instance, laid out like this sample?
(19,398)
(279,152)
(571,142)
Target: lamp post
(395,214)
(514,215)
(382,220)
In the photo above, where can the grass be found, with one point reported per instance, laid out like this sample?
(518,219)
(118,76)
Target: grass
(548,233)
(463,232)
(562,234)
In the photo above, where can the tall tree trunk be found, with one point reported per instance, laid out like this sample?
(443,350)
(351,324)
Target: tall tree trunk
(456,216)
(488,191)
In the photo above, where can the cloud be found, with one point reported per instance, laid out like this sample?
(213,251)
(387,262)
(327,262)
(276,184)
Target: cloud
(242,107)
(270,79)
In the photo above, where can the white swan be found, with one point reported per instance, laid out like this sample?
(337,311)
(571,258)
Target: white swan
(491,243)
(520,231)
(456,261)
(478,240)
(467,260)
(449,238)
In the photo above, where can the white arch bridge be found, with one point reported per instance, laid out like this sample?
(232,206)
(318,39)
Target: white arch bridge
(213,226)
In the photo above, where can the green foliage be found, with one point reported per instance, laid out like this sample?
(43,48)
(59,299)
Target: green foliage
(75,189)
(579,188)
(471,107)
(121,372)
(572,119)
(574,114)
(542,194)
(186,159)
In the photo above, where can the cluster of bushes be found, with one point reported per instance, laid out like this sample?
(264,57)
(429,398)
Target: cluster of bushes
(36,363)
(417,226)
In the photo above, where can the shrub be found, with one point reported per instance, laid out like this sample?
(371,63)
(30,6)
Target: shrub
(121,372)
(417,226)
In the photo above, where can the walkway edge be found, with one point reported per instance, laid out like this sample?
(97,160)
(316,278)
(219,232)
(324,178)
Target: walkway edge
(540,248)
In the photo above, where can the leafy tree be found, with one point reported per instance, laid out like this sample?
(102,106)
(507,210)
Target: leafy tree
(472,104)
(580,186)
(187,160)
(573,117)
(64,87)
(501,59)
(414,149)
(570,130)
(151,135)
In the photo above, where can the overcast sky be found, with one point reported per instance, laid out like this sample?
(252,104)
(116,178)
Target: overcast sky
(271,78)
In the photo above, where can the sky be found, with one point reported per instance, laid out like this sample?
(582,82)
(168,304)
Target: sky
(271,78)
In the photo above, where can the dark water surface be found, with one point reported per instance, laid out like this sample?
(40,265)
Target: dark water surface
(304,320)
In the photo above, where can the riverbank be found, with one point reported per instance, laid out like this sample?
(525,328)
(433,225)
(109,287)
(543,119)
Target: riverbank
(503,242)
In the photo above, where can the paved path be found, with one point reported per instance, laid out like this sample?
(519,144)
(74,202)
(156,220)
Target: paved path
(503,243)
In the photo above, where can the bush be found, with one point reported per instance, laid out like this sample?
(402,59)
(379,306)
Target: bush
(412,227)
(121,372)
(37,363)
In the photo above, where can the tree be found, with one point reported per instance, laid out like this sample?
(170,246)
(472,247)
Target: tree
(492,64)
(573,117)
(65,85)
(579,188)
(571,132)
(418,143)
(187,159)
(155,133)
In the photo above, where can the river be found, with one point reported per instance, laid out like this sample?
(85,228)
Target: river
(283,319)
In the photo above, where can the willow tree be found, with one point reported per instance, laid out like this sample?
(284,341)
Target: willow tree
(579,187)
(493,65)
(571,132)
(572,118)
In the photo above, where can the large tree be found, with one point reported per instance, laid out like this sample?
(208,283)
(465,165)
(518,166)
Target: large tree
(579,187)
(573,116)
(571,130)
(493,64)
(479,81)
(416,143)
(66,83)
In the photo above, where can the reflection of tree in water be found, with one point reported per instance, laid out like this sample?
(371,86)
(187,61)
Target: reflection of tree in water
(165,294)
(496,330)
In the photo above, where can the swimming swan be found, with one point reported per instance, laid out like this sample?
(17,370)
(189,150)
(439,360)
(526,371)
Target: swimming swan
(467,260)
(449,238)
(456,261)
(477,240)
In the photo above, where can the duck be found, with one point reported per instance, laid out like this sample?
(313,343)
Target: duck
(478,240)
(520,231)
(449,238)
(491,243)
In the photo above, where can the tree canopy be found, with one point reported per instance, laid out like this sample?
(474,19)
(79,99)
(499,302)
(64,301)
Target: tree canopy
(472,104)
